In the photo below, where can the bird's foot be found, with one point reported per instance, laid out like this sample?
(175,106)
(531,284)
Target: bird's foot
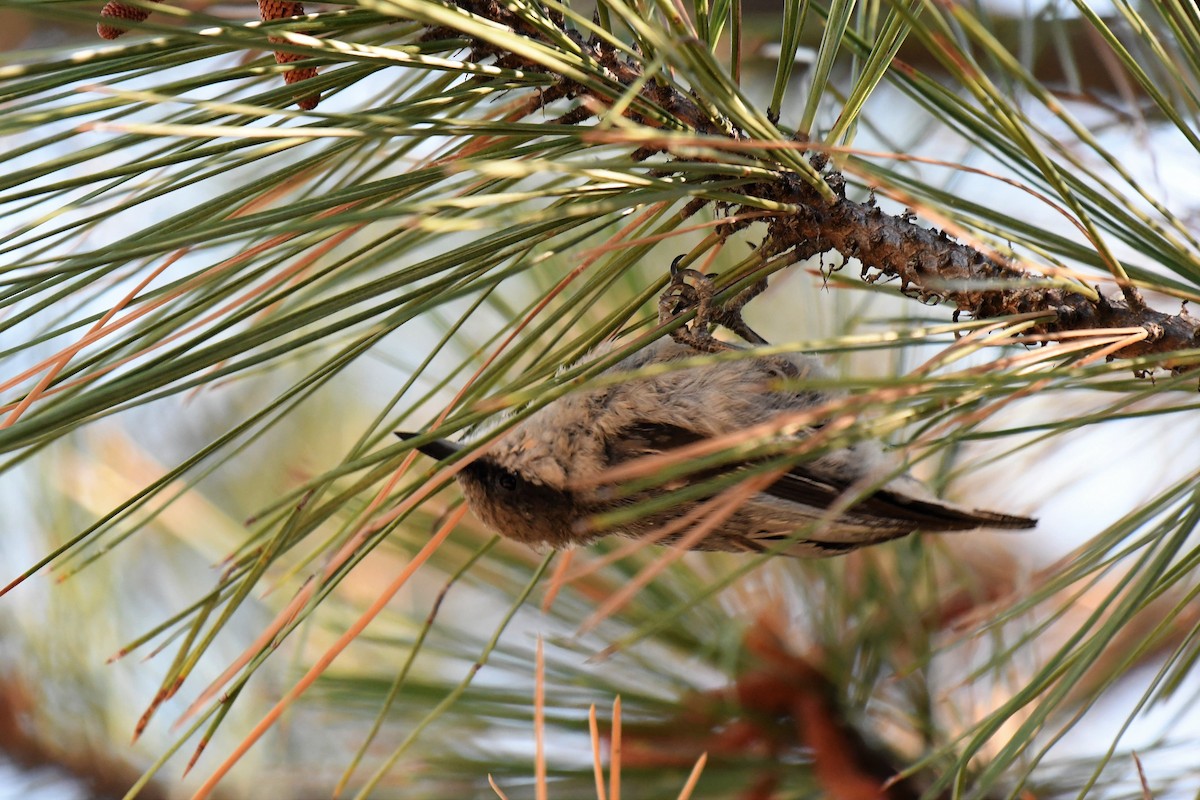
(680,296)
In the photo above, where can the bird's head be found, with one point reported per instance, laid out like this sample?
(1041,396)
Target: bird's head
(511,501)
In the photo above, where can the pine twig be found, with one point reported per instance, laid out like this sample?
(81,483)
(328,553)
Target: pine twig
(929,265)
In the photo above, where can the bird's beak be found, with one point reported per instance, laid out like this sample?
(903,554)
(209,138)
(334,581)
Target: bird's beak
(438,448)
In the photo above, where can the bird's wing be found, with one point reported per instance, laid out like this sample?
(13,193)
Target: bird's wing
(646,439)
(889,506)
(885,508)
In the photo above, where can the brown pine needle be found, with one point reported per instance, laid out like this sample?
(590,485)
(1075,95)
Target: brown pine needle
(557,580)
(353,544)
(496,788)
(713,513)
(597,767)
(1146,793)
(257,646)
(302,597)
(614,757)
(100,331)
(1114,338)
(625,549)
(539,724)
(323,663)
(610,246)
(64,357)
(694,778)
(847,408)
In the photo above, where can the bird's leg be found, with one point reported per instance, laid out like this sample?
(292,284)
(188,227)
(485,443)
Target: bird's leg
(680,297)
(730,314)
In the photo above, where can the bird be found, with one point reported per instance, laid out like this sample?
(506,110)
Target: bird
(542,482)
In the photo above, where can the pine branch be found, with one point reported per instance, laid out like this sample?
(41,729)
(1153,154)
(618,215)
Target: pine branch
(929,264)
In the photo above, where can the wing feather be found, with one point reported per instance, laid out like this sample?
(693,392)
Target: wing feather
(885,508)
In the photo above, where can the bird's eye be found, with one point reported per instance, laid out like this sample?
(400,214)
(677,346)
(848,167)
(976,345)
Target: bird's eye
(507,481)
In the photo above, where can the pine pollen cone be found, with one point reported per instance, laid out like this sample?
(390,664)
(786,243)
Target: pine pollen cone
(278,9)
(116,10)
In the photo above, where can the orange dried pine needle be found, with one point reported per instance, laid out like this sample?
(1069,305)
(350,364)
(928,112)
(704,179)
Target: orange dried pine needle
(597,766)
(539,724)
(495,788)
(693,778)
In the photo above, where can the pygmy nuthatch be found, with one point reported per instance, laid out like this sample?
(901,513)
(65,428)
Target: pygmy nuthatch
(542,481)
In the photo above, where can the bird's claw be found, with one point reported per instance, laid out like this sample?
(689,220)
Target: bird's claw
(680,296)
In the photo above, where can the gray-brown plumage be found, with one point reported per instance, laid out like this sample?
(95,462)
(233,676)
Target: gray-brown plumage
(543,479)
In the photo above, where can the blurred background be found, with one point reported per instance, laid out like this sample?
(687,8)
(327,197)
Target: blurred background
(185,510)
